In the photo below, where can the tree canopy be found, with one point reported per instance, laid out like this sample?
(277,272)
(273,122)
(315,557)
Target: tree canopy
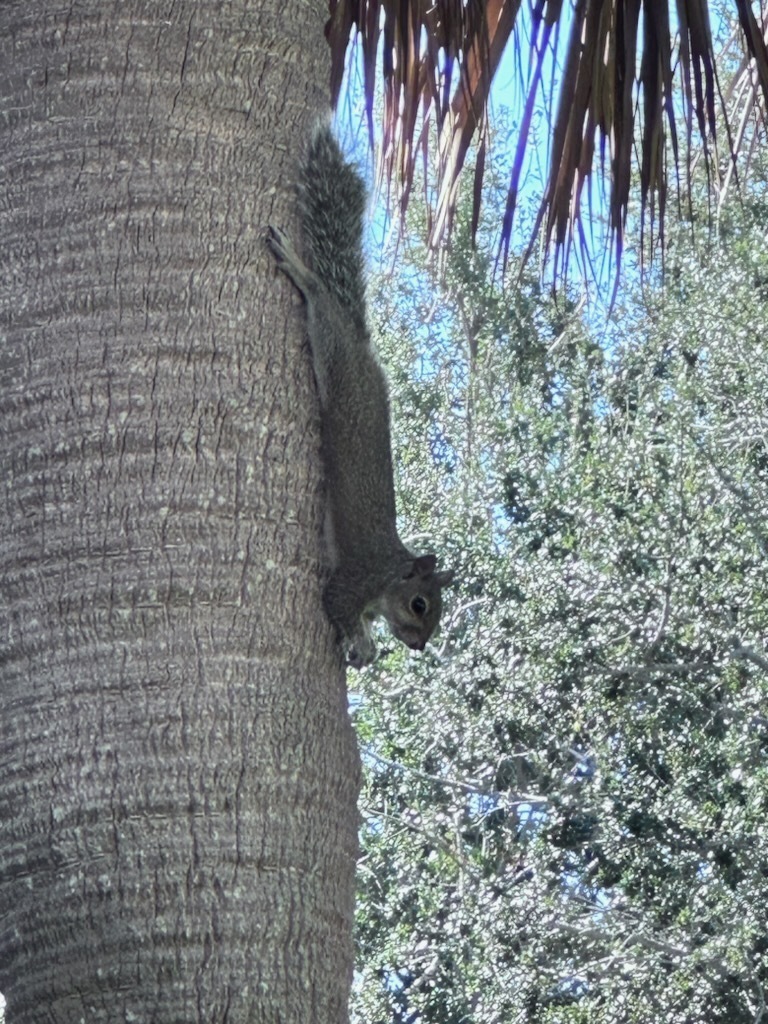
(566,800)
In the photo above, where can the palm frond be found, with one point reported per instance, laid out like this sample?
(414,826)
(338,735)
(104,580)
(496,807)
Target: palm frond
(617,89)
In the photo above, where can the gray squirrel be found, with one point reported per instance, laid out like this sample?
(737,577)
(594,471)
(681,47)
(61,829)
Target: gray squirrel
(373,573)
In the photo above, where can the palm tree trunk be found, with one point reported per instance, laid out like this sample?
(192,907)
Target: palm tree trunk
(178,774)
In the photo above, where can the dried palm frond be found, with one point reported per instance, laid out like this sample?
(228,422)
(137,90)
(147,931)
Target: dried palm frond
(619,65)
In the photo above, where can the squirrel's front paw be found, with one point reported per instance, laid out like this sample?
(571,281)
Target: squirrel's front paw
(362,652)
(356,660)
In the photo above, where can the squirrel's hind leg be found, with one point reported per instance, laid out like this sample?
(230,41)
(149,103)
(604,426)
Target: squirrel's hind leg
(289,261)
(342,605)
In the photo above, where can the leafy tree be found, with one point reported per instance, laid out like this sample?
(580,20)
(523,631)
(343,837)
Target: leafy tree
(565,805)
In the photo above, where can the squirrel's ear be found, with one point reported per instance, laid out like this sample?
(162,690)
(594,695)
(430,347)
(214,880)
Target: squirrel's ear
(424,565)
(443,579)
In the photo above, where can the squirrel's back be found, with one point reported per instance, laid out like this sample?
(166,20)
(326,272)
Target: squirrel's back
(333,199)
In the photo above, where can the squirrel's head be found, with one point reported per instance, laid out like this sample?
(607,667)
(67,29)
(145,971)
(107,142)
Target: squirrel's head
(412,603)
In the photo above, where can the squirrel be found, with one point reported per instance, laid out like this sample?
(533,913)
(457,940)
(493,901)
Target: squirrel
(372,571)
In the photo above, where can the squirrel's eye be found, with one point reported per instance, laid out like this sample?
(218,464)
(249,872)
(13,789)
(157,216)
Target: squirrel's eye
(418,605)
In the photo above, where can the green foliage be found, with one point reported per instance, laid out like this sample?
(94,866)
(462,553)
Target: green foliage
(566,796)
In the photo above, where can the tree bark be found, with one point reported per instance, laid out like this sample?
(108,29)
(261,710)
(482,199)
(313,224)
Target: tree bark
(178,773)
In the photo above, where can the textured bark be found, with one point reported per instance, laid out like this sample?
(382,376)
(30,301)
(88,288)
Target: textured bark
(178,773)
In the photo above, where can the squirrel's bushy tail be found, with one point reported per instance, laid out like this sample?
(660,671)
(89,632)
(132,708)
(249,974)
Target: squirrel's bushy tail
(332,204)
